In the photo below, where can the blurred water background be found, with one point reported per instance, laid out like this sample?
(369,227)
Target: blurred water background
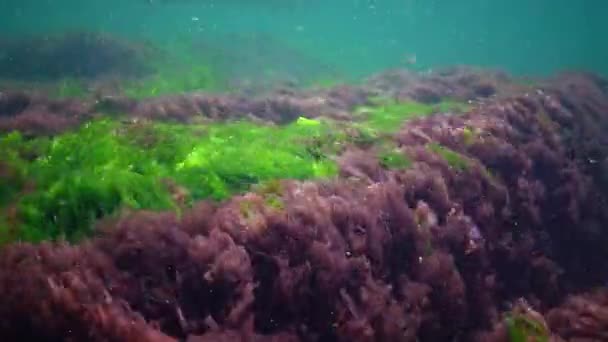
(354,37)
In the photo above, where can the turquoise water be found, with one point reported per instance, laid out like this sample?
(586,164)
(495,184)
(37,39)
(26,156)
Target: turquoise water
(357,37)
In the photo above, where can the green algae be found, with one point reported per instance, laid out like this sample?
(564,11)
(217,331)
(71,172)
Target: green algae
(241,154)
(172,80)
(272,192)
(64,88)
(522,328)
(391,157)
(107,165)
(468,136)
(454,159)
(11,166)
(387,116)
(394,160)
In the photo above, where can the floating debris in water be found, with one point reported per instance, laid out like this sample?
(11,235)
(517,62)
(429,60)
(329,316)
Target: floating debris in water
(410,59)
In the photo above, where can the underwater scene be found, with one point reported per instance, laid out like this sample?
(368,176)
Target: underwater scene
(303,170)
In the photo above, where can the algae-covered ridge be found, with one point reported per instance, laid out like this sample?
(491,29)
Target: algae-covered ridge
(58,187)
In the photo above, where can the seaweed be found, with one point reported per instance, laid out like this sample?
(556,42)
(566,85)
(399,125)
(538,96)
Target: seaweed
(106,165)
(526,329)
(429,252)
(454,159)
(468,136)
(169,80)
(272,192)
(394,160)
(385,115)
(388,116)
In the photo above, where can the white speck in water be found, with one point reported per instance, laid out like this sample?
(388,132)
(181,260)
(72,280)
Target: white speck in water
(299,28)
(474,232)
(195,19)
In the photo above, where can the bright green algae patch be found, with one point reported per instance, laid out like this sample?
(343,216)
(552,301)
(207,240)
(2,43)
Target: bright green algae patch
(81,176)
(59,187)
